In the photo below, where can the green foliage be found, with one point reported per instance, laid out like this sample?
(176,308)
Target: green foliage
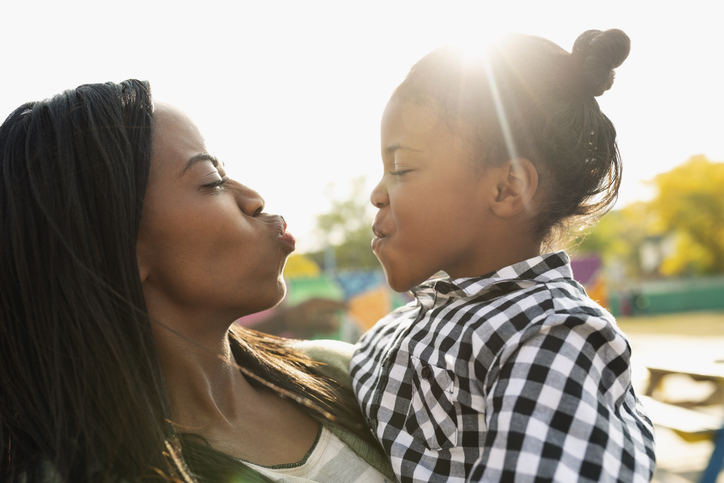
(347,229)
(346,216)
(617,238)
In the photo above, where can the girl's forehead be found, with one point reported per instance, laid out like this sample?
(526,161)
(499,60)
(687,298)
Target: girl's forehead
(411,117)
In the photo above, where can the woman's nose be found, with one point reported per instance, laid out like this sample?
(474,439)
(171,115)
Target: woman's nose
(250,201)
(379,196)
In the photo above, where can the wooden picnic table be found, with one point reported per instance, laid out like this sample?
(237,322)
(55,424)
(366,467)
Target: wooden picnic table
(689,424)
(698,370)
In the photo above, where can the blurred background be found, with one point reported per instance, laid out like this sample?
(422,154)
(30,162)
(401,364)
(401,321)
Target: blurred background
(289,95)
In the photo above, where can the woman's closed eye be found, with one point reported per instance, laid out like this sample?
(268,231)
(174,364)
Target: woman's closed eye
(216,184)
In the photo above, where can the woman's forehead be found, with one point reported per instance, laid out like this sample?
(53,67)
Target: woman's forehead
(170,121)
(176,139)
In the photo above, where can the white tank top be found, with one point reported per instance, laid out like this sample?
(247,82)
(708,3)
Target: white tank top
(329,461)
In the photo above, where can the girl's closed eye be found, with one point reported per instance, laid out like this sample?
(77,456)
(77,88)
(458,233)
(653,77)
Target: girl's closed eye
(400,172)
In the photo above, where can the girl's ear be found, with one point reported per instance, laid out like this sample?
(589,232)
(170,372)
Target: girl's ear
(515,187)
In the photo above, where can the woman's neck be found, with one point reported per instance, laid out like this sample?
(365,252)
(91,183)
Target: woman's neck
(204,384)
(210,397)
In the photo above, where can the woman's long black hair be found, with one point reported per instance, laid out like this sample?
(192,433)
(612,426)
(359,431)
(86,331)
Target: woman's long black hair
(81,389)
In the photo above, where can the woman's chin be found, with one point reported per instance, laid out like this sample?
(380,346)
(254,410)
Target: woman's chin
(276,297)
(282,292)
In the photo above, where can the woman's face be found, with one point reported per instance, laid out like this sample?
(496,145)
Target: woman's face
(206,251)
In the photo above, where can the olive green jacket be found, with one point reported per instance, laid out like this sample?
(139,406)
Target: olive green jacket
(334,357)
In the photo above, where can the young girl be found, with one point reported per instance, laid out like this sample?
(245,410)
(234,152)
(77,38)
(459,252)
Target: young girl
(504,370)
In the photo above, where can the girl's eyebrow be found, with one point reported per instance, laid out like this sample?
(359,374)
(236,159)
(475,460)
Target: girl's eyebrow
(394,147)
(199,158)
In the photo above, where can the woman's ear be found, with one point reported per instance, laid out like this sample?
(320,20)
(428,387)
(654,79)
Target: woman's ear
(141,259)
(515,187)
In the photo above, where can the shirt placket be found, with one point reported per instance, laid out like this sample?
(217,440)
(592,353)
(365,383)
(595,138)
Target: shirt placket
(426,300)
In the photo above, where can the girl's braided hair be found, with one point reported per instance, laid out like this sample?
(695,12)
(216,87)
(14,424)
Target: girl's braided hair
(527,97)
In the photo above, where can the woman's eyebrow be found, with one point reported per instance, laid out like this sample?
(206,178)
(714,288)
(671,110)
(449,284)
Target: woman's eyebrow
(199,158)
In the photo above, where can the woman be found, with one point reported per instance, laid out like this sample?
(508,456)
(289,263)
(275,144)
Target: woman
(127,253)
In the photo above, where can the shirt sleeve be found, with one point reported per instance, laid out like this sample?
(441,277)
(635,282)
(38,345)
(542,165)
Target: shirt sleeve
(559,407)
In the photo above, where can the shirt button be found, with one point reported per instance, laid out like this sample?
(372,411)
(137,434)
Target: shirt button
(426,372)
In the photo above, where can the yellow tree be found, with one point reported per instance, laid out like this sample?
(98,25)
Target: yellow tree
(690,205)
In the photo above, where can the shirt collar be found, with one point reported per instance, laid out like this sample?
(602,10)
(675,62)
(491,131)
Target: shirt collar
(540,269)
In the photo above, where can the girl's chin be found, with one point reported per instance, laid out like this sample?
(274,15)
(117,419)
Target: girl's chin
(397,283)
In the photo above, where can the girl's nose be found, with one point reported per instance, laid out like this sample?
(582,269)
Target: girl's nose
(379,196)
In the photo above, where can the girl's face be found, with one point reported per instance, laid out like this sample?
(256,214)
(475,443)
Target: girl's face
(433,203)
(205,248)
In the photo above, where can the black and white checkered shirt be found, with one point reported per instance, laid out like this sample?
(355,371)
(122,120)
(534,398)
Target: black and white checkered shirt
(516,376)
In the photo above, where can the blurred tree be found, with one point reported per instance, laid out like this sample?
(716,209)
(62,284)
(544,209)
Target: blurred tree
(309,319)
(617,237)
(347,231)
(687,210)
(690,205)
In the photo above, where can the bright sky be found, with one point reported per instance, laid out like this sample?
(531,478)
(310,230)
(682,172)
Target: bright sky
(289,93)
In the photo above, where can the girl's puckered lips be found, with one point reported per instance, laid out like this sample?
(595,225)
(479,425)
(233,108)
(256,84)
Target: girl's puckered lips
(378,237)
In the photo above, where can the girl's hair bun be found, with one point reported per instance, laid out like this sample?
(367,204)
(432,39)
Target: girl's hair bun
(595,54)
